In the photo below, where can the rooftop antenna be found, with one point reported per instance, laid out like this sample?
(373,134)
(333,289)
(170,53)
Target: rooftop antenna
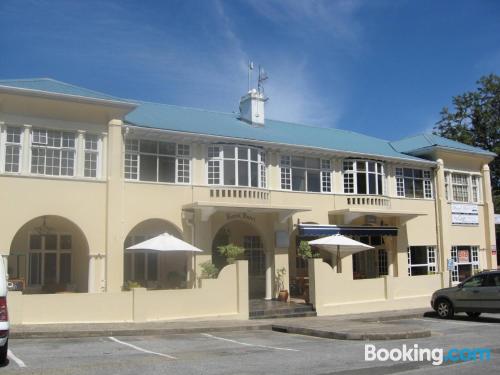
(250,68)
(262,77)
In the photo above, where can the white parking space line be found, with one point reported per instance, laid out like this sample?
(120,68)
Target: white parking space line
(247,344)
(18,361)
(141,349)
(458,322)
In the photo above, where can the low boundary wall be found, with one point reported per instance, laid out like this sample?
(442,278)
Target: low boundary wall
(224,297)
(332,293)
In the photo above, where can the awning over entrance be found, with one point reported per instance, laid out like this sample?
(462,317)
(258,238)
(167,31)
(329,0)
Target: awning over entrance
(316,230)
(209,208)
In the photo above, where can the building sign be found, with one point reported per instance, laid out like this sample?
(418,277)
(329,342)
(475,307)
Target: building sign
(450,264)
(463,256)
(240,216)
(464,214)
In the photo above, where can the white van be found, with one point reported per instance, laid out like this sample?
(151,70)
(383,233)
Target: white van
(4,315)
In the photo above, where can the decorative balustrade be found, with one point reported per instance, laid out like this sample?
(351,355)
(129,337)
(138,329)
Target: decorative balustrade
(239,194)
(368,200)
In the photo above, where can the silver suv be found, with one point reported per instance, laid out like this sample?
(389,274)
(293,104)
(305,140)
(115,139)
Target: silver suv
(477,294)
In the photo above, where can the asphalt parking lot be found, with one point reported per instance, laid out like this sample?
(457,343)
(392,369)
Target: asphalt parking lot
(251,352)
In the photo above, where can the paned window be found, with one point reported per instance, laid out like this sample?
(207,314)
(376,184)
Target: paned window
(299,173)
(13,149)
(53,153)
(421,260)
(363,177)
(413,183)
(157,161)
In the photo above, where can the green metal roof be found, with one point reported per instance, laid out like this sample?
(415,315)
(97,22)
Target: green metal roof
(197,121)
(56,87)
(421,143)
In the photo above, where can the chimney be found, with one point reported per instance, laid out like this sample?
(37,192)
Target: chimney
(252,107)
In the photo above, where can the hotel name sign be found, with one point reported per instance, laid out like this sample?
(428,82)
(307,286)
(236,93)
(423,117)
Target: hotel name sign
(464,214)
(240,216)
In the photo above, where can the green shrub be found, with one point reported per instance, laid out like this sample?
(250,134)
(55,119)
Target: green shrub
(231,252)
(209,270)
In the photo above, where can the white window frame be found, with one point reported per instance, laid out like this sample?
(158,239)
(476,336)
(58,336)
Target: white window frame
(431,256)
(216,158)
(182,153)
(5,143)
(351,174)
(427,190)
(325,173)
(474,260)
(473,186)
(92,151)
(43,251)
(45,146)
(132,240)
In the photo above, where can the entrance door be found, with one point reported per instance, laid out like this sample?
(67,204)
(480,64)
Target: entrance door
(254,253)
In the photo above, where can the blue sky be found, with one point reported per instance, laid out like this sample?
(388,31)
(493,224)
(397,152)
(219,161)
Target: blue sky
(384,68)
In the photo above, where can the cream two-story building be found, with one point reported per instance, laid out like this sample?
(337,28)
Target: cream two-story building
(83,175)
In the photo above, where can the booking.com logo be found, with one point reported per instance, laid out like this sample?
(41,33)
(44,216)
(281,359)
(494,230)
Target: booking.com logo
(436,356)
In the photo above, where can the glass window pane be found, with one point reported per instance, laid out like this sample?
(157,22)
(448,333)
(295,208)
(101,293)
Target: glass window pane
(243,153)
(242,173)
(419,188)
(65,242)
(148,146)
(380,185)
(166,148)
(228,152)
(417,173)
(361,165)
(372,184)
(166,169)
(152,266)
(408,172)
(313,181)
(148,168)
(254,170)
(409,192)
(418,255)
(229,172)
(50,268)
(50,242)
(127,263)
(298,161)
(313,163)
(371,166)
(139,266)
(35,242)
(253,154)
(361,181)
(298,179)
(65,268)
(35,267)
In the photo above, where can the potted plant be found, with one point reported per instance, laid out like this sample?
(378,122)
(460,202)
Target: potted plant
(231,252)
(208,270)
(306,252)
(280,282)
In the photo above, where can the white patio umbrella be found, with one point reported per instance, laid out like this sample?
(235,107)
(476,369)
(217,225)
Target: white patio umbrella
(165,243)
(341,245)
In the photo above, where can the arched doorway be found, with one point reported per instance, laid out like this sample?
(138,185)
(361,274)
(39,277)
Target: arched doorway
(49,254)
(247,236)
(153,269)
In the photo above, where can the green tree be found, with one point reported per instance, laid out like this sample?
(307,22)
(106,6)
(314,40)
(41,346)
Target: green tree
(475,120)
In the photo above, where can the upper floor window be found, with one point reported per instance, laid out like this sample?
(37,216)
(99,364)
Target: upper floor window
(299,173)
(91,161)
(413,183)
(465,187)
(158,161)
(236,165)
(363,177)
(13,149)
(53,152)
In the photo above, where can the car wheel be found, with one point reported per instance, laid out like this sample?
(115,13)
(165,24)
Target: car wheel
(3,353)
(473,315)
(444,309)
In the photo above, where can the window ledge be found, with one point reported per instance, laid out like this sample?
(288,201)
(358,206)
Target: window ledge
(54,178)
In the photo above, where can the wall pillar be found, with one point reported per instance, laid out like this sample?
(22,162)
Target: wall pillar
(489,219)
(91,281)
(5,258)
(443,220)
(269,275)
(114,209)
(25,162)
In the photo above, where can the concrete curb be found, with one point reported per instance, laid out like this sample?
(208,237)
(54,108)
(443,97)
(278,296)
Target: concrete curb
(346,335)
(131,332)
